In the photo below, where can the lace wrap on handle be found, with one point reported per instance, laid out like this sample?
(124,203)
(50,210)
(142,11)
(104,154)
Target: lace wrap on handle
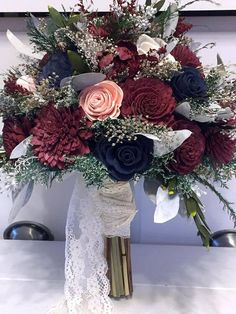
(93,214)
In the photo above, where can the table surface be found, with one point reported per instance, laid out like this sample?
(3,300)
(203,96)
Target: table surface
(167,279)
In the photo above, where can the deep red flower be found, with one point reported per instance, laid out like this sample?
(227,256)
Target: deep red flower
(186,56)
(219,146)
(97,31)
(10,87)
(149,98)
(182,27)
(60,133)
(124,60)
(14,132)
(188,155)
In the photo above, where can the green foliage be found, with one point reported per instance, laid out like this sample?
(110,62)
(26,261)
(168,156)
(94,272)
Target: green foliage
(77,62)
(41,40)
(159,5)
(57,17)
(194,210)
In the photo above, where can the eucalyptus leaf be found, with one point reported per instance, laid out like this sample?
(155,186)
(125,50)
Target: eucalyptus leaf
(35,21)
(21,149)
(172,21)
(20,198)
(81,81)
(78,64)
(57,17)
(220,63)
(169,142)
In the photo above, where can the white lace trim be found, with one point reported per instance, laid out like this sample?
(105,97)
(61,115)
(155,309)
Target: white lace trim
(92,213)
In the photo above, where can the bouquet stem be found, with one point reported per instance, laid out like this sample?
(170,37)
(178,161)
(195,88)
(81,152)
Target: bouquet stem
(119,267)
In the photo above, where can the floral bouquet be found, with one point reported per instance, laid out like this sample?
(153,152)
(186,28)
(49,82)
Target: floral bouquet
(116,97)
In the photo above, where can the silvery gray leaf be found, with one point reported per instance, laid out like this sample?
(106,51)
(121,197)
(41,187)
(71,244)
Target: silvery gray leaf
(194,45)
(150,187)
(170,46)
(35,21)
(21,149)
(81,81)
(164,144)
(217,113)
(171,24)
(20,198)
(66,81)
(22,48)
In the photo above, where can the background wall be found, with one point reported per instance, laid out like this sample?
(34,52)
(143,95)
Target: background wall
(50,206)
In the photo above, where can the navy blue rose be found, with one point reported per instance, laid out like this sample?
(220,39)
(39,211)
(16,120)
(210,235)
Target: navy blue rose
(125,159)
(58,67)
(188,83)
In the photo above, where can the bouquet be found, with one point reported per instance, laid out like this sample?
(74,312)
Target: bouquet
(117,97)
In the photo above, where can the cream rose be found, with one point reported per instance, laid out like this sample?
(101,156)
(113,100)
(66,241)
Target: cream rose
(146,43)
(27,82)
(101,101)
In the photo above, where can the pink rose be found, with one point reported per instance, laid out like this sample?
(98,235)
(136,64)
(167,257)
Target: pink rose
(101,101)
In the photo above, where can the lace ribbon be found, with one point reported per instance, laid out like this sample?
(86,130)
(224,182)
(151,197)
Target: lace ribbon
(92,214)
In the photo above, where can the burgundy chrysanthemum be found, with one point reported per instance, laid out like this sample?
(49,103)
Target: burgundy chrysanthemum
(15,131)
(182,27)
(219,146)
(185,56)
(60,133)
(149,98)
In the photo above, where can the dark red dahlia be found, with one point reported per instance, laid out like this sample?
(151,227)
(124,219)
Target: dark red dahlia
(182,27)
(60,133)
(186,56)
(219,146)
(149,98)
(188,155)
(15,131)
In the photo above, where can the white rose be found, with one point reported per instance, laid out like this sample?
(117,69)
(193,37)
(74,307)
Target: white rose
(146,43)
(27,82)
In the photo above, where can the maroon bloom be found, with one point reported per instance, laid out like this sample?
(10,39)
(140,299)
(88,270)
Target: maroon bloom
(219,146)
(10,87)
(185,56)
(97,31)
(149,98)
(60,134)
(182,27)
(14,132)
(188,155)
(124,60)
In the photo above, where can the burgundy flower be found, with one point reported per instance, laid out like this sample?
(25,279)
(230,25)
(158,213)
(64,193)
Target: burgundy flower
(185,56)
(124,60)
(182,27)
(219,146)
(149,98)
(188,155)
(60,133)
(15,131)
(97,31)
(10,87)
